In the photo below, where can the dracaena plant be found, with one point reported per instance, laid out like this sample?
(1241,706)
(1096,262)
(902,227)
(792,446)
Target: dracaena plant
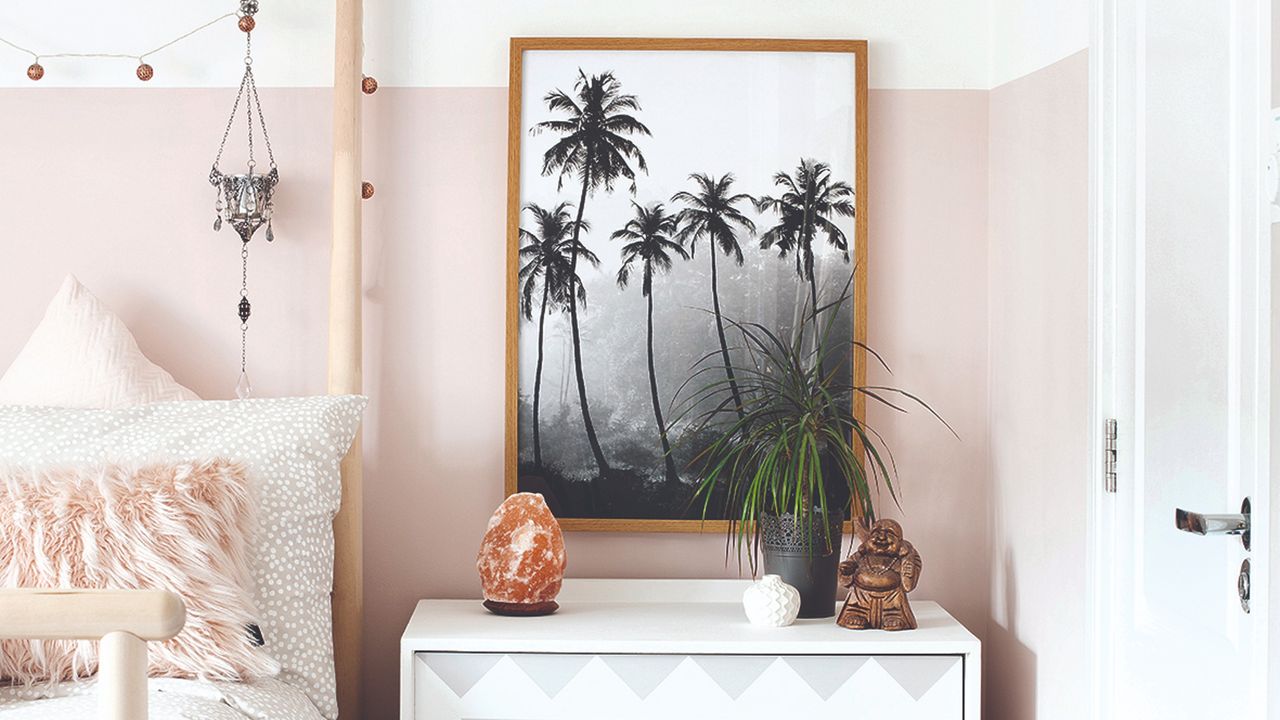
(794,446)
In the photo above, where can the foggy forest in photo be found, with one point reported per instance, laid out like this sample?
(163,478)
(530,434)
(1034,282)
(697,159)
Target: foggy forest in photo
(664,197)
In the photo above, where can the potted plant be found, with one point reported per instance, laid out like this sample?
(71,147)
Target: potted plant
(788,455)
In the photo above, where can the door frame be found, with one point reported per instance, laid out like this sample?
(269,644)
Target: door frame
(1116,196)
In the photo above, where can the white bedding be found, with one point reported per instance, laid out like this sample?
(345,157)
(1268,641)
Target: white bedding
(170,699)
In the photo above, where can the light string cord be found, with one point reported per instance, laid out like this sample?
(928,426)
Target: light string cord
(117,56)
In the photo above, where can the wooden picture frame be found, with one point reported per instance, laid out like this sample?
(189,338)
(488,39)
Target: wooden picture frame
(517,134)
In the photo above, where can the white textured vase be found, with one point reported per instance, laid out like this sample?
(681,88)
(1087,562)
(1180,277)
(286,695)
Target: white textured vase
(771,602)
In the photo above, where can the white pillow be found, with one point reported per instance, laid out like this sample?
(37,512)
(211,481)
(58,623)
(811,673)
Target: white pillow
(82,355)
(292,448)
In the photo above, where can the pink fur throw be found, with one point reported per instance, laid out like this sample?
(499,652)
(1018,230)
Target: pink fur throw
(183,527)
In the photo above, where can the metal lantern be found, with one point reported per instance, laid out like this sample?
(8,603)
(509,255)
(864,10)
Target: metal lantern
(245,201)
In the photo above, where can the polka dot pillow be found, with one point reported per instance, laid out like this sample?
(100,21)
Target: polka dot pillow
(292,448)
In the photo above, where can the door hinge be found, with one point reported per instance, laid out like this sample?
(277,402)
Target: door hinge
(1109,456)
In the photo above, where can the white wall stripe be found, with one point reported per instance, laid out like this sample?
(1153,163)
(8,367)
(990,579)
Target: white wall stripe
(923,44)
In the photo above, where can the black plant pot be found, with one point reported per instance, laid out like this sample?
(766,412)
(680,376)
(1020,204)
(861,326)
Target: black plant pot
(807,561)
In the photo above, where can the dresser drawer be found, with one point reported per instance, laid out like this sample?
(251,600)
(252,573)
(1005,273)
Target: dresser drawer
(544,686)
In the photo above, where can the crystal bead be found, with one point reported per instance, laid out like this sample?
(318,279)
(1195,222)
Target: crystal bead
(217,223)
(270,233)
(243,388)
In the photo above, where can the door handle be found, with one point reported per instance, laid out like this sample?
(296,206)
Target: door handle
(1225,524)
(1201,524)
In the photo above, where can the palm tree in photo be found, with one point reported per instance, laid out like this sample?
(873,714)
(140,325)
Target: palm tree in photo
(592,148)
(807,208)
(711,212)
(548,265)
(650,245)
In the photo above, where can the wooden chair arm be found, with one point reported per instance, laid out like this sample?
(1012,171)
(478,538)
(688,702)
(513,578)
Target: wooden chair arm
(89,614)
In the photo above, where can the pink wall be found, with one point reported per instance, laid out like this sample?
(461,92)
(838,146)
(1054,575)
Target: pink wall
(109,184)
(435,460)
(1036,656)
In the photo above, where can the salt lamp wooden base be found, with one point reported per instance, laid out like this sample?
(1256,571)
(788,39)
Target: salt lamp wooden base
(521,609)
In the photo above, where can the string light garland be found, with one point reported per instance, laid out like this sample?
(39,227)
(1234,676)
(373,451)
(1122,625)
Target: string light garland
(368,86)
(145,71)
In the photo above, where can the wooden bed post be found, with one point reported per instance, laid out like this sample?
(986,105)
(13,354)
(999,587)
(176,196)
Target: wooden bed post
(345,348)
(122,676)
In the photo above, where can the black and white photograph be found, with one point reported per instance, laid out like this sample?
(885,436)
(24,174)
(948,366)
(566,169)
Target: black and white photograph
(667,202)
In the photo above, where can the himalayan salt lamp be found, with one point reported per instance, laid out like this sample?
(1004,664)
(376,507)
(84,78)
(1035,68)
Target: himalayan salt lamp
(522,558)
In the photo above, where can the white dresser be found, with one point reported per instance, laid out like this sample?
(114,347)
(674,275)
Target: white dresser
(677,650)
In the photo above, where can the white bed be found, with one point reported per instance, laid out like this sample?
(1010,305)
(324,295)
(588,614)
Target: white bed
(169,699)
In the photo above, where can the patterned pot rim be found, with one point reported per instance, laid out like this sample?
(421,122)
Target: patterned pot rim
(784,533)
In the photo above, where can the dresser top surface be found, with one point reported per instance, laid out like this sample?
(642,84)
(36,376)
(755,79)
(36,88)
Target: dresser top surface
(657,624)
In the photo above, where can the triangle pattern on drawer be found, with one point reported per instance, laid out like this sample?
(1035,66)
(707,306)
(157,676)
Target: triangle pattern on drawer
(642,673)
(825,674)
(734,673)
(460,671)
(551,672)
(917,674)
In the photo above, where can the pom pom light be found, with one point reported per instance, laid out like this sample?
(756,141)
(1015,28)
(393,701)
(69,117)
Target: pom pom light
(36,70)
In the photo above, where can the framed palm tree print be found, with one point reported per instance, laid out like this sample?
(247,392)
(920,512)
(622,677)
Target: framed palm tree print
(664,195)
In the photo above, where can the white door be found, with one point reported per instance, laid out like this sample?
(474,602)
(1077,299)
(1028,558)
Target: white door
(1183,340)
